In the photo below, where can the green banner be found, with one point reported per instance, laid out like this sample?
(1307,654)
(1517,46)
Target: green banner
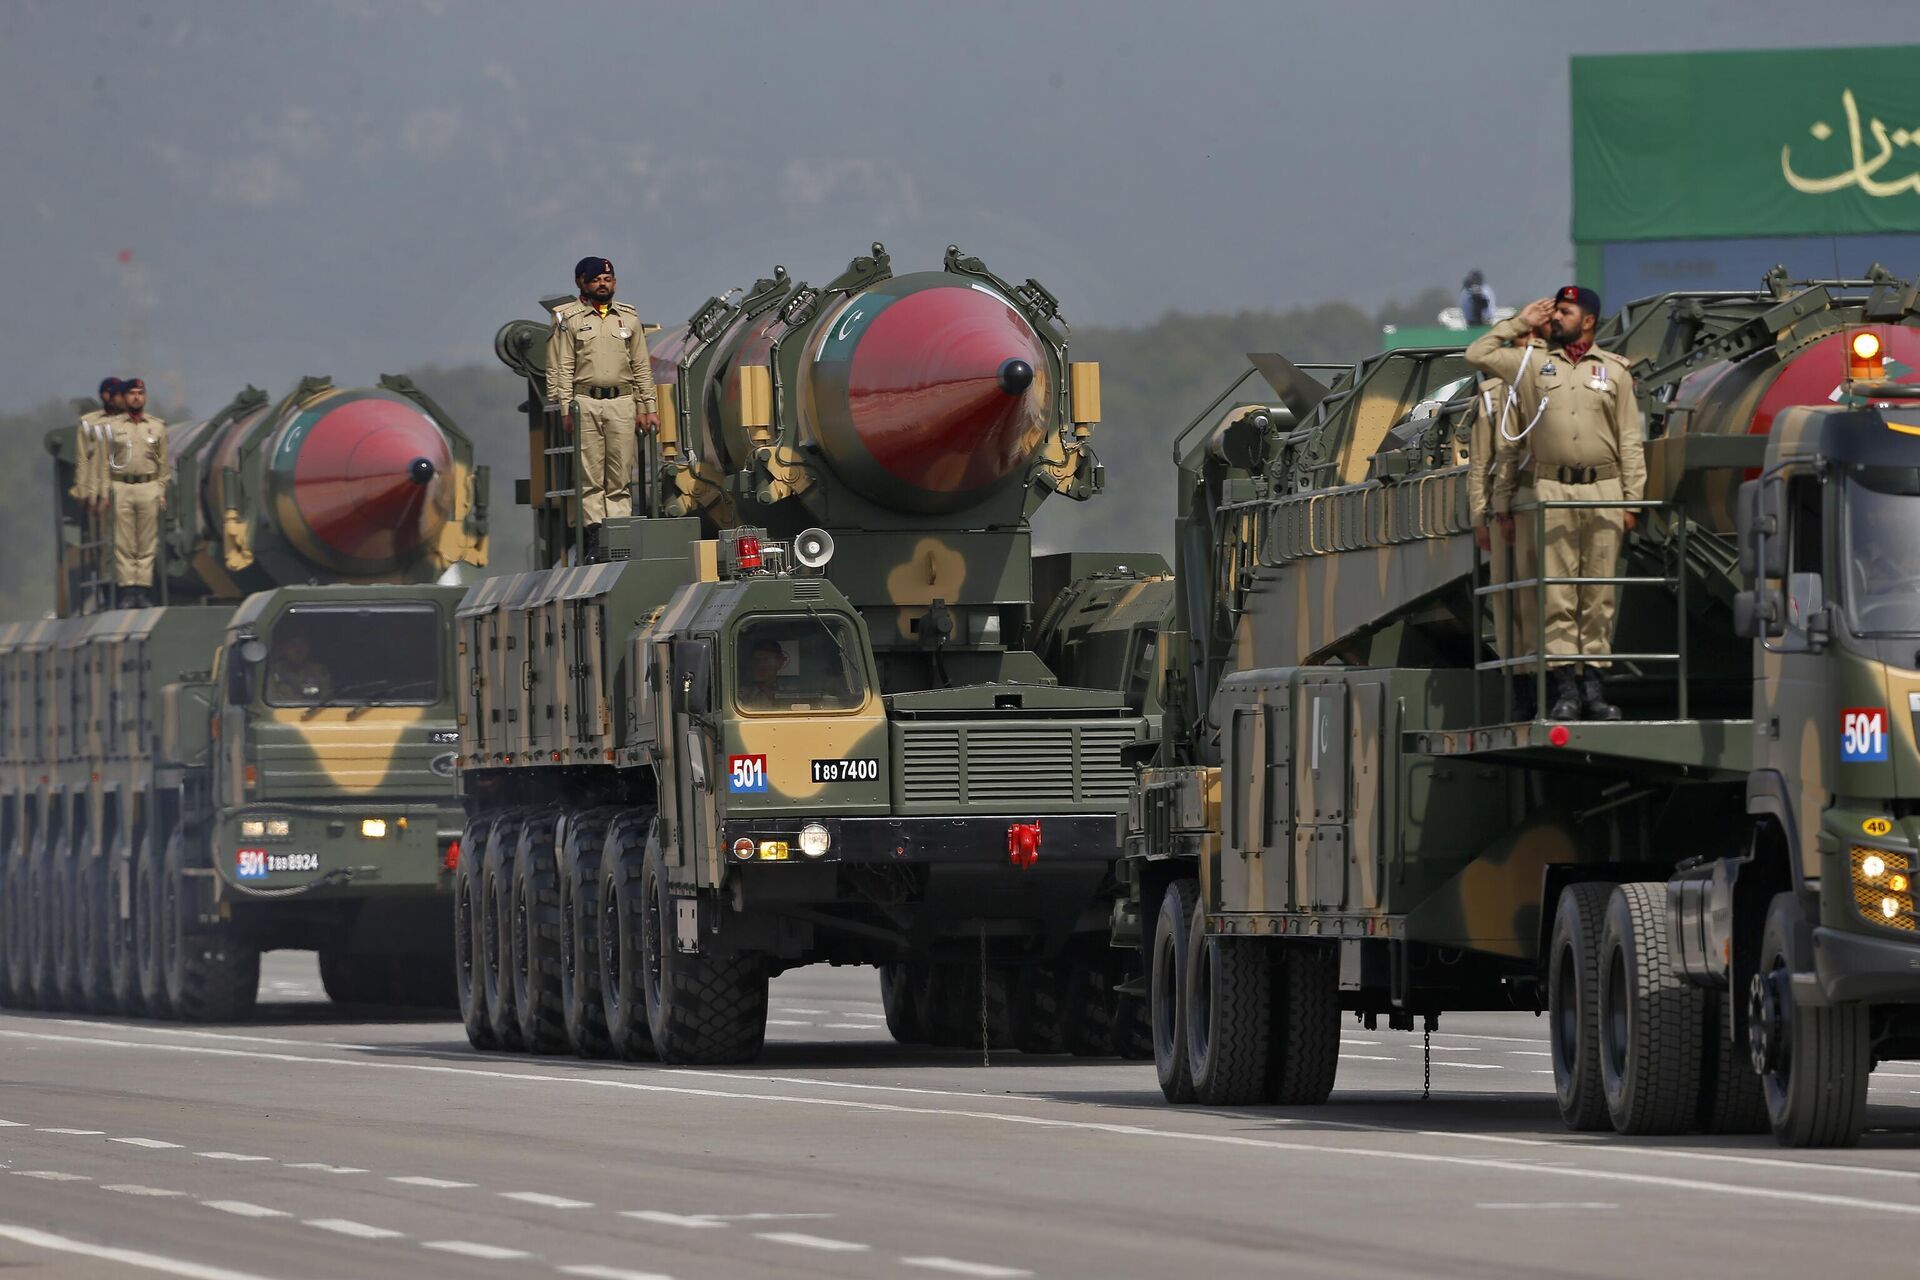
(1789,142)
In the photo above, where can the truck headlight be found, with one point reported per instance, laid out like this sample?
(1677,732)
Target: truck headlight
(373,828)
(814,840)
(279,826)
(252,828)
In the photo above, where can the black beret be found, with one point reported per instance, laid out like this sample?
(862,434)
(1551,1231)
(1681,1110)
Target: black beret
(110,387)
(128,384)
(588,268)
(1587,299)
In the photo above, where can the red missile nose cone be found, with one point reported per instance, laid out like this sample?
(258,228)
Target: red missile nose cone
(363,475)
(942,398)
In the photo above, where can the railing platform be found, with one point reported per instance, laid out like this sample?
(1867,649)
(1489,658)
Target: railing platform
(1719,750)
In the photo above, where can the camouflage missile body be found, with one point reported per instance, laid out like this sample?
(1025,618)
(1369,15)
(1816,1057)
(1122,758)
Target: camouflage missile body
(1344,816)
(804,714)
(253,765)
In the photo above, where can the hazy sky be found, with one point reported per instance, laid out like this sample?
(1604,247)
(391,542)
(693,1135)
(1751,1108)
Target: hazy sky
(354,186)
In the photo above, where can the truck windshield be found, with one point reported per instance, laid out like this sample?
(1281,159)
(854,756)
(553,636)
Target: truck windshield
(348,655)
(1882,550)
(798,663)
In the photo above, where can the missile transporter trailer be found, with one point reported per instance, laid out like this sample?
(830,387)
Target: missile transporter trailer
(250,765)
(799,716)
(1712,898)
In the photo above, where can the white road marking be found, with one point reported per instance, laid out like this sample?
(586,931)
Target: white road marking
(694,1220)
(1351,1040)
(125,1257)
(551,1202)
(470,1249)
(76,1133)
(877,1017)
(851,1026)
(1531,1053)
(232,1155)
(50,1175)
(1471,1066)
(348,1227)
(135,1189)
(152,1144)
(1546,1204)
(802,1241)
(417,1180)
(1117,1129)
(957,1267)
(762,1217)
(611,1273)
(815,1012)
(14,1124)
(1367,1057)
(786,1022)
(243,1209)
(326,1168)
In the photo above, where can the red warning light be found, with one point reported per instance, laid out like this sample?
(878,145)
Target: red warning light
(125,256)
(452,862)
(747,553)
(1023,844)
(1558,735)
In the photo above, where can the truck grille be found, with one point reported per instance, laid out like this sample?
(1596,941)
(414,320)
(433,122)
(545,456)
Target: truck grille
(1028,767)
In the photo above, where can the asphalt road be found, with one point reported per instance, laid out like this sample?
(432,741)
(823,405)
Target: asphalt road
(313,1142)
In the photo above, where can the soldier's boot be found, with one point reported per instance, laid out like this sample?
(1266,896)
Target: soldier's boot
(1566,694)
(592,552)
(1593,702)
(1523,703)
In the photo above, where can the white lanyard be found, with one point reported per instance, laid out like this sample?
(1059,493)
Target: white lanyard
(1513,394)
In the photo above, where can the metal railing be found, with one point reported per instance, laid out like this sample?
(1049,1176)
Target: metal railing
(1539,659)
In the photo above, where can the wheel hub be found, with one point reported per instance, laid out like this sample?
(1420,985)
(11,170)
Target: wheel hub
(1769,1029)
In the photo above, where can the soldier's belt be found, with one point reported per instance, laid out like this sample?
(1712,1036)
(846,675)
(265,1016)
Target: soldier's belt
(1574,475)
(132,479)
(603,393)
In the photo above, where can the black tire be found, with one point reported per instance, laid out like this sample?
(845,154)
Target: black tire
(952,1005)
(38,992)
(93,973)
(1167,987)
(1040,1007)
(535,939)
(1650,1017)
(469,933)
(702,1009)
(1228,1016)
(1573,998)
(1304,1059)
(622,962)
(496,939)
(123,955)
(1731,1099)
(1090,1003)
(149,875)
(1131,1036)
(900,997)
(62,978)
(581,1007)
(1813,1062)
(355,979)
(211,975)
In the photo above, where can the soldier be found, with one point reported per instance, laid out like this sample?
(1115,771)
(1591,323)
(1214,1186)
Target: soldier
(597,363)
(294,679)
(138,469)
(88,453)
(760,691)
(1493,409)
(1574,434)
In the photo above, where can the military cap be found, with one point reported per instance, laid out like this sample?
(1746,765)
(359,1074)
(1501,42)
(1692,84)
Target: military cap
(128,384)
(110,386)
(588,268)
(1586,299)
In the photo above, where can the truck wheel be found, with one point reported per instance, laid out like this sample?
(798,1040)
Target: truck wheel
(1573,997)
(580,1003)
(123,955)
(211,976)
(469,933)
(496,939)
(1228,1016)
(1813,1062)
(1167,983)
(535,938)
(1650,1017)
(900,997)
(623,986)
(93,985)
(1089,1022)
(1305,1056)
(1131,1036)
(702,1009)
(354,979)
(1040,1007)
(1731,1099)
(148,873)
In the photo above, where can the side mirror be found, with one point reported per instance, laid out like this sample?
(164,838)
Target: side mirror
(252,651)
(1805,627)
(1744,619)
(692,676)
(1746,515)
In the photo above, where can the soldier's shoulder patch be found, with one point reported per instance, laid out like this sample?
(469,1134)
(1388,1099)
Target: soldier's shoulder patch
(565,310)
(625,307)
(1614,356)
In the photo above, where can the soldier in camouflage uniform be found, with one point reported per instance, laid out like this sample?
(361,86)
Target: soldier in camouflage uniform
(1492,414)
(1579,437)
(599,371)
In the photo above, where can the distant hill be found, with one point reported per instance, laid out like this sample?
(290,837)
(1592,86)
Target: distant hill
(1154,379)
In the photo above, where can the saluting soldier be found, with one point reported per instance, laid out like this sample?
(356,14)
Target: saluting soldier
(1490,417)
(1577,436)
(597,363)
(89,447)
(138,469)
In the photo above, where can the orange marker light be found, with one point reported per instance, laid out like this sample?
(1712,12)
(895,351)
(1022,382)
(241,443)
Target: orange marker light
(1863,357)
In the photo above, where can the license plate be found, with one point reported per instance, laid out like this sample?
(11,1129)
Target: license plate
(773,851)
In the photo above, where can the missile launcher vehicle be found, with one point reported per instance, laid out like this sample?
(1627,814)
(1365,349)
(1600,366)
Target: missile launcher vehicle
(802,714)
(264,759)
(1712,899)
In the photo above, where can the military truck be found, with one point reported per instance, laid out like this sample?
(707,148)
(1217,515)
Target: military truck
(799,717)
(259,761)
(1712,899)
